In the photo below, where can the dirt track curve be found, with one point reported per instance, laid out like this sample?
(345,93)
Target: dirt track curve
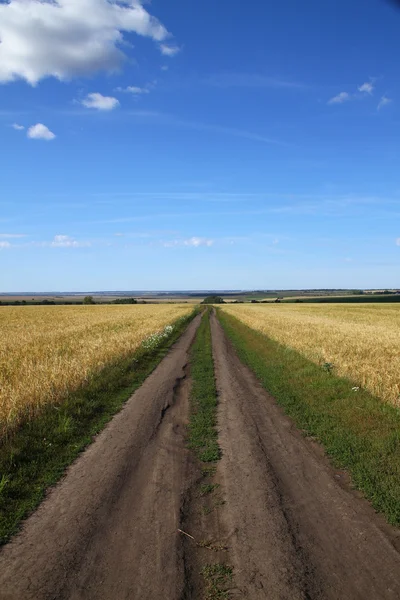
(108,531)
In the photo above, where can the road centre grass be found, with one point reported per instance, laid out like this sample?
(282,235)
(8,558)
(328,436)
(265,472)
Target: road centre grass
(202,431)
(358,431)
(37,454)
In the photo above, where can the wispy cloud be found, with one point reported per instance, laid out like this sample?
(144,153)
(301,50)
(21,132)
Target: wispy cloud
(169,50)
(398,241)
(340,98)
(65,241)
(17,127)
(11,236)
(4,245)
(284,204)
(99,102)
(40,132)
(367,87)
(384,101)
(233,131)
(133,89)
(194,242)
(251,80)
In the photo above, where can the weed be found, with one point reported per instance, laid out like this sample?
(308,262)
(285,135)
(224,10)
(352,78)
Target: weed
(214,546)
(208,488)
(217,578)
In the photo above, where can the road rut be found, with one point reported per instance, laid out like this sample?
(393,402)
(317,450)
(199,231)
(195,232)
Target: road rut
(295,533)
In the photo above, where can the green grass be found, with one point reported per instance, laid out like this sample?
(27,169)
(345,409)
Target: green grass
(217,578)
(38,453)
(208,488)
(202,432)
(359,431)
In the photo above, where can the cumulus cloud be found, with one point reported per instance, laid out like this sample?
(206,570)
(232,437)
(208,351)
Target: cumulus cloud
(17,127)
(366,88)
(64,241)
(384,101)
(67,38)
(100,102)
(168,50)
(340,98)
(5,245)
(40,132)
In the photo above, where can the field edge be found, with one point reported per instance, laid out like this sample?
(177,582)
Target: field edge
(35,457)
(358,431)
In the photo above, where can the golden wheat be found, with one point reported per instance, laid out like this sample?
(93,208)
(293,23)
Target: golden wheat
(362,341)
(47,352)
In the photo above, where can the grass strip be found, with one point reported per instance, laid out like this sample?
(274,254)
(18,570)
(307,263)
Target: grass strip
(358,430)
(203,440)
(36,456)
(202,430)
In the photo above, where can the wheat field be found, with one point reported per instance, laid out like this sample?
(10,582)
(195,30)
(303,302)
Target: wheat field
(48,352)
(362,342)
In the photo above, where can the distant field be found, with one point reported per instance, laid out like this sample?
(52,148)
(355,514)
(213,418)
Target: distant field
(48,352)
(361,342)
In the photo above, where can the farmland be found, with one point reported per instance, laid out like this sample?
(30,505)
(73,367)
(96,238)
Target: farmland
(228,459)
(360,342)
(48,352)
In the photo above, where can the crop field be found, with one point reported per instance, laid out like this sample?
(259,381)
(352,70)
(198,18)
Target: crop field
(360,342)
(48,352)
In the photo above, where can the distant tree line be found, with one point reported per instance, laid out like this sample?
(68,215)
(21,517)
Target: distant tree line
(87,300)
(213,300)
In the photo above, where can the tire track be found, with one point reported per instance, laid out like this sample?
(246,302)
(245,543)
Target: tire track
(296,533)
(109,529)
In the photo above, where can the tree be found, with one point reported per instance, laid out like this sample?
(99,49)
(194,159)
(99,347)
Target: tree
(88,300)
(213,300)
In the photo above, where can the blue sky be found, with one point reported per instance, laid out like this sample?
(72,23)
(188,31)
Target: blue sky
(199,145)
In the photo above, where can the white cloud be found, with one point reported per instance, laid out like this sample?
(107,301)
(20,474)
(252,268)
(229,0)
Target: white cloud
(384,102)
(168,50)
(17,127)
(367,87)
(64,241)
(164,68)
(68,38)
(197,241)
(340,98)
(100,102)
(10,236)
(133,89)
(5,245)
(40,132)
(398,242)
(194,242)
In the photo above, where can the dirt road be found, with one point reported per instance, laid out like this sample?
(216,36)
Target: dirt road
(108,531)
